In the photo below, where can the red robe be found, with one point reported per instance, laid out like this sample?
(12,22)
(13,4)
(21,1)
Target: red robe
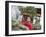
(29,25)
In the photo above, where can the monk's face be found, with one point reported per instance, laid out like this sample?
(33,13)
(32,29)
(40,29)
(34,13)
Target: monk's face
(28,19)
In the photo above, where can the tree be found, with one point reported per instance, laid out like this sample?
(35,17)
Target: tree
(29,10)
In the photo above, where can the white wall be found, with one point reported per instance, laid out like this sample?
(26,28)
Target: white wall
(2,18)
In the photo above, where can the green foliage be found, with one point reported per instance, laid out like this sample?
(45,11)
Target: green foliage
(29,10)
(22,28)
(15,23)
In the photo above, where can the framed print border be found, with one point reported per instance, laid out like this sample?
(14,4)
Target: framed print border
(7,17)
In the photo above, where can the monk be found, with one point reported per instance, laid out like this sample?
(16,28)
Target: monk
(28,23)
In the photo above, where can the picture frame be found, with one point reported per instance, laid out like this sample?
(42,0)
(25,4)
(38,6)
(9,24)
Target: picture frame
(8,11)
